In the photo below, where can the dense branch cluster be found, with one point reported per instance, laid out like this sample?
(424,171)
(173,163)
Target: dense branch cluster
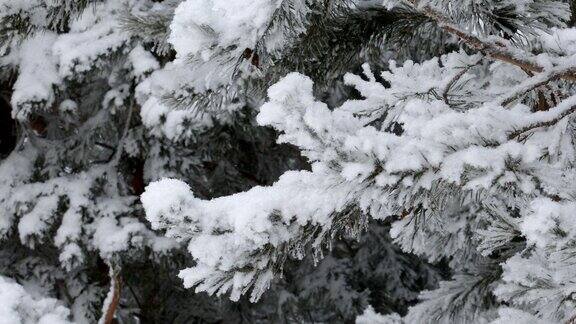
(468,154)
(398,161)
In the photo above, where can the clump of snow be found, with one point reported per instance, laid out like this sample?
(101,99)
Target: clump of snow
(19,306)
(37,77)
(168,202)
(94,34)
(508,315)
(371,317)
(199,25)
(142,61)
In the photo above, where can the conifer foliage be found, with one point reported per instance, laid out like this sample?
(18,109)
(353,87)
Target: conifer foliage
(397,161)
(468,154)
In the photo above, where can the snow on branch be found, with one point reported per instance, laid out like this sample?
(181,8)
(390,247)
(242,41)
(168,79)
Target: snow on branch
(494,47)
(443,157)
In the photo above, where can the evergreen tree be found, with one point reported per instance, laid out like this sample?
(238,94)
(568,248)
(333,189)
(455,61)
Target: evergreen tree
(467,150)
(101,97)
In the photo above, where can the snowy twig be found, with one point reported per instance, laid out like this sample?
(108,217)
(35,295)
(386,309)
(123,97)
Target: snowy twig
(455,79)
(533,83)
(548,118)
(118,153)
(493,50)
(113,298)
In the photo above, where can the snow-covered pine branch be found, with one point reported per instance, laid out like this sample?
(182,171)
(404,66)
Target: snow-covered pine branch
(444,163)
(456,151)
(105,96)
